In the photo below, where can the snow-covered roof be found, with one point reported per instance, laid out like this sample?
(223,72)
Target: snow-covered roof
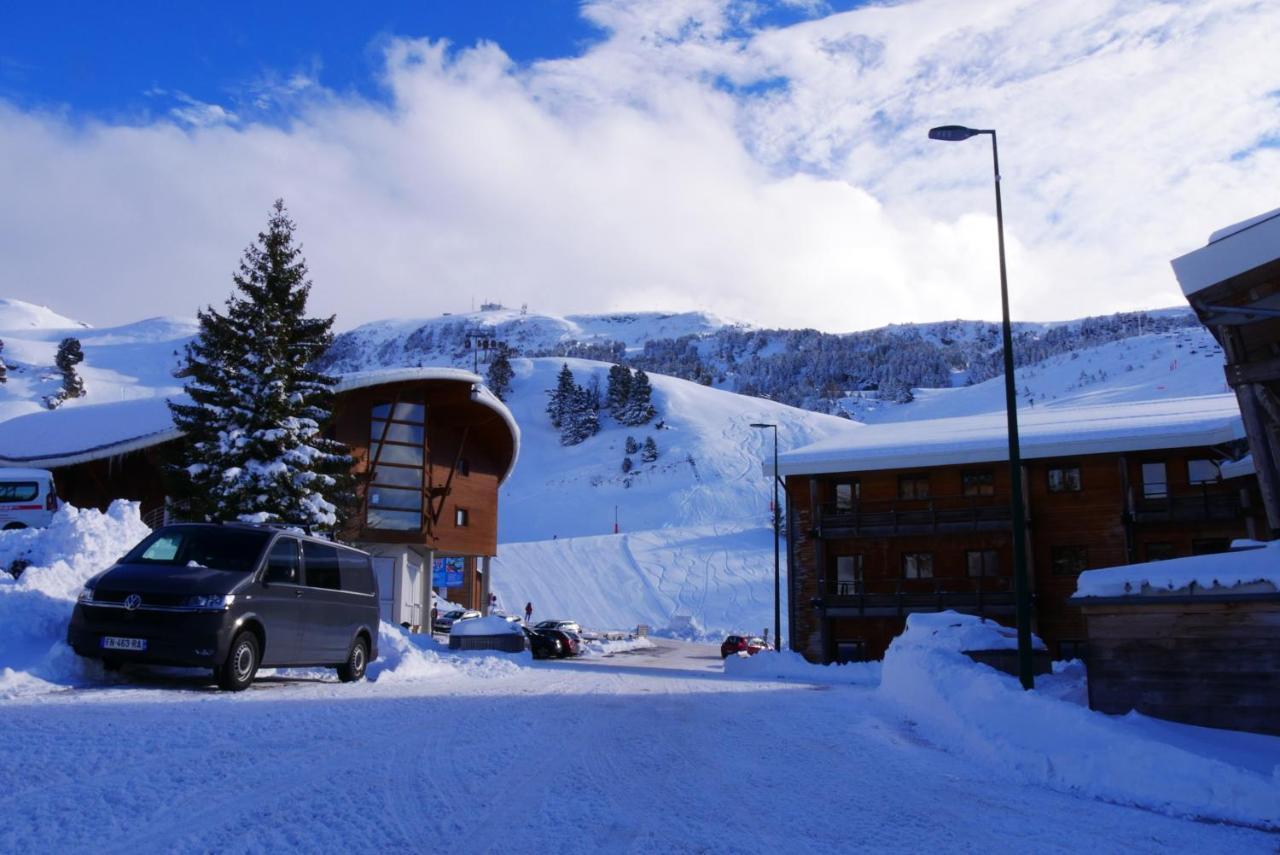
(79,434)
(71,435)
(14,473)
(1248,570)
(1043,431)
(1238,468)
(1231,251)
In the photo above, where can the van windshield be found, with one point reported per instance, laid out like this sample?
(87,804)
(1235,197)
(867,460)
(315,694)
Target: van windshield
(201,546)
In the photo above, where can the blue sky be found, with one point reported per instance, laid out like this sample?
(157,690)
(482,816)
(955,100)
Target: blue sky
(767,162)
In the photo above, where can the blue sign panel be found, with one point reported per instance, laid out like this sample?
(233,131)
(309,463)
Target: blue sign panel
(447,572)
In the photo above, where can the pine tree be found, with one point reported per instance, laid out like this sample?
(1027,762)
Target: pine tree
(649,452)
(631,446)
(617,390)
(254,448)
(639,408)
(626,465)
(580,420)
(561,397)
(500,374)
(69,356)
(4,369)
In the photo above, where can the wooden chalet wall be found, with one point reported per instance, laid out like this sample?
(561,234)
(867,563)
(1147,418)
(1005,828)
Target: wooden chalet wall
(468,448)
(137,476)
(1107,522)
(1188,659)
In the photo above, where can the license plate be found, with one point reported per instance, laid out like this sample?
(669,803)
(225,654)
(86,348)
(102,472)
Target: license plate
(112,643)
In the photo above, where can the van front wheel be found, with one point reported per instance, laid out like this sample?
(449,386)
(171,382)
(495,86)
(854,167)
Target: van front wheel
(238,671)
(357,660)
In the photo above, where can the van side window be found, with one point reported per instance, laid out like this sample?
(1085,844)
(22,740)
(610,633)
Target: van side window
(322,566)
(18,491)
(283,562)
(356,571)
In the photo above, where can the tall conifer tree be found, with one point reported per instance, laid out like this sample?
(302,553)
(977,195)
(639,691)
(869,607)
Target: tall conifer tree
(500,374)
(254,447)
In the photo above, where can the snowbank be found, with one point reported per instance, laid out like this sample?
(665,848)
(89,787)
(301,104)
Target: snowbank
(789,665)
(404,657)
(35,608)
(610,646)
(1212,573)
(983,714)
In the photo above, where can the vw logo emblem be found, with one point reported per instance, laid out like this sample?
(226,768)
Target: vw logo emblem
(132,601)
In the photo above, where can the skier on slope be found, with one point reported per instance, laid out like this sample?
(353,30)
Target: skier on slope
(528,612)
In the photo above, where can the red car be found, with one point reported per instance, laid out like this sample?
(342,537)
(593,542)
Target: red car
(748,644)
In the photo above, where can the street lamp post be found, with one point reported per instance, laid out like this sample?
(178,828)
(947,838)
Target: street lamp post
(777,523)
(1021,585)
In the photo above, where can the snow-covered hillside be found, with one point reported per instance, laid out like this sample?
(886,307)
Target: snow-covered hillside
(131,361)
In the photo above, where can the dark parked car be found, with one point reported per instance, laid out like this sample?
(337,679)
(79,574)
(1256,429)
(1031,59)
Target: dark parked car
(541,645)
(233,598)
(747,644)
(444,623)
(571,625)
(570,642)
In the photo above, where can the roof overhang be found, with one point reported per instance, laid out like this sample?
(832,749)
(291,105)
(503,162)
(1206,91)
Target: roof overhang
(1045,433)
(1231,252)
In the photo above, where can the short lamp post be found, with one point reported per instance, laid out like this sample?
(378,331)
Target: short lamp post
(1021,585)
(777,524)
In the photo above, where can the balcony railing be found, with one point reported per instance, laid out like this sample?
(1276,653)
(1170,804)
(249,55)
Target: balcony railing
(942,514)
(1195,505)
(881,597)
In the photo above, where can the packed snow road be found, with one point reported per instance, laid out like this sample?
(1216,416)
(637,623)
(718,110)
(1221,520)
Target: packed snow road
(656,750)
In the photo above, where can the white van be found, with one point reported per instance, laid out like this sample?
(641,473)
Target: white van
(28,498)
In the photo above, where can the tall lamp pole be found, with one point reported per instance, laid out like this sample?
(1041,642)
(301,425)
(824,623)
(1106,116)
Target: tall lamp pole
(777,523)
(1021,585)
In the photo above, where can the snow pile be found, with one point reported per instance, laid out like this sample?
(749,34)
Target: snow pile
(1213,573)
(789,665)
(983,714)
(404,658)
(35,608)
(952,631)
(608,646)
(492,625)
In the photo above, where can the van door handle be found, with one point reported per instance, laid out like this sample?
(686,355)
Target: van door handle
(297,593)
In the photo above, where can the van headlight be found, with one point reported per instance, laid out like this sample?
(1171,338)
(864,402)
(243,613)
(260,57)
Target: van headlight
(86,595)
(210,602)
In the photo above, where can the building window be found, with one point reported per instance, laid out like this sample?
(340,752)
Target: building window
(461,517)
(1203,472)
(851,650)
(1064,479)
(982,562)
(1069,560)
(847,495)
(1155,483)
(397,452)
(917,565)
(464,467)
(848,575)
(976,483)
(913,486)
(1210,545)
(1160,551)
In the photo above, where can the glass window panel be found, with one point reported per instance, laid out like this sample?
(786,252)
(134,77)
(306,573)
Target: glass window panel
(284,561)
(322,566)
(405,411)
(396,432)
(398,476)
(387,497)
(393,520)
(406,455)
(19,491)
(1203,472)
(978,483)
(846,494)
(1064,479)
(918,565)
(1069,560)
(1154,483)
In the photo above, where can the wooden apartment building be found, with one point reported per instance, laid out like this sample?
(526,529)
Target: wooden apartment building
(899,518)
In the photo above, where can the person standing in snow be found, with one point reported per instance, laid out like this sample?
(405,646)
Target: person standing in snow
(528,612)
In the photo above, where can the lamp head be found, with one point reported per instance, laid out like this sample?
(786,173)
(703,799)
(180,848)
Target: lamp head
(953,133)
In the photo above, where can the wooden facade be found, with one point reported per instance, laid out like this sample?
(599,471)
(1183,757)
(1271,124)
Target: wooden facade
(870,547)
(1207,660)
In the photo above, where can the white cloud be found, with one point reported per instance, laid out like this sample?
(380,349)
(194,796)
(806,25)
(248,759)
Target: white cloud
(687,160)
